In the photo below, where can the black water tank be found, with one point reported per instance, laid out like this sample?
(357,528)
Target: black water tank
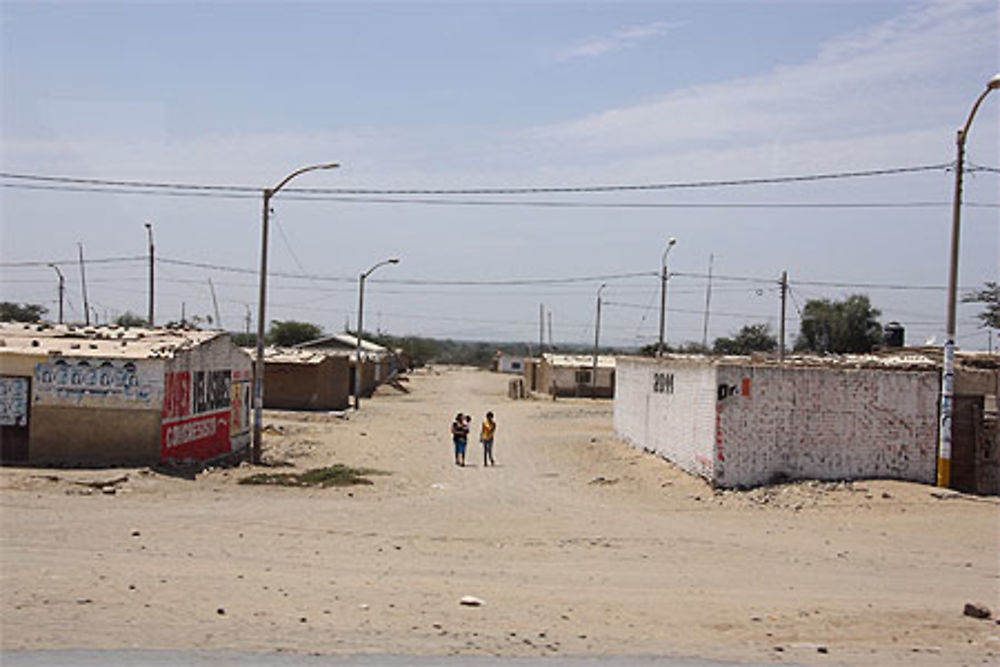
(894,335)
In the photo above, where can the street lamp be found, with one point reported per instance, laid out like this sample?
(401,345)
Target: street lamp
(258,394)
(663,294)
(597,334)
(149,233)
(62,290)
(948,367)
(361,315)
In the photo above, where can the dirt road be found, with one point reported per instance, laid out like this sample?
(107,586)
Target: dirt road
(577,543)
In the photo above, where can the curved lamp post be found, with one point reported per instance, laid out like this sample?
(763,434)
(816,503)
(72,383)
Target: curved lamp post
(663,294)
(258,393)
(597,334)
(361,315)
(948,368)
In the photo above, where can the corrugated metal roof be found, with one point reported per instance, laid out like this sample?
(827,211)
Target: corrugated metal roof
(106,342)
(347,340)
(291,355)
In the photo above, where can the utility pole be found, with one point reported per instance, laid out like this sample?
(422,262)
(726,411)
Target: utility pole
(361,315)
(551,344)
(597,335)
(784,302)
(149,233)
(541,328)
(948,367)
(215,306)
(247,306)
(62,290)
(256,446)
(83,284)
(708,302)
(663,295)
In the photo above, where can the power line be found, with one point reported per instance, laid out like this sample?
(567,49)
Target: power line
(289,194)
(244,189)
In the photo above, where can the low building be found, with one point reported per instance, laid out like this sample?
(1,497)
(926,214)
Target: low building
(573,375)
(741,422)
(296,379)
(110,395)
(378,363)
(508,363)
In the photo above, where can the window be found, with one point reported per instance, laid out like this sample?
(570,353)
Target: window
(583,376)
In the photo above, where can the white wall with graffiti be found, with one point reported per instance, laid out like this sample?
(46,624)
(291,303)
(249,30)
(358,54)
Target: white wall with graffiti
(668,410)
(744,424)
(128,384)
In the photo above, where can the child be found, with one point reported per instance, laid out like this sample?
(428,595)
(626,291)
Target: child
(486,437)
(460,437)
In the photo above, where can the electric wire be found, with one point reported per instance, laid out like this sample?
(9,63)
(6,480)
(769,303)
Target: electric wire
(155,185)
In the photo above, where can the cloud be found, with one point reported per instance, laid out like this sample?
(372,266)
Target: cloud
(906,75)
(620,39)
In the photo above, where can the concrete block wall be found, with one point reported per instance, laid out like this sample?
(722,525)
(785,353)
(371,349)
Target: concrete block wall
(668,408)
(824,423)
(745,425)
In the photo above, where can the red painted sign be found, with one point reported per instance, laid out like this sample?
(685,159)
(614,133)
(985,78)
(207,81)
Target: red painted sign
(196,415)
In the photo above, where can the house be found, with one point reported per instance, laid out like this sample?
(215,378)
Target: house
(378,364)
(111,395)
(300,379)
(743,421)
(508,363)
(573,375)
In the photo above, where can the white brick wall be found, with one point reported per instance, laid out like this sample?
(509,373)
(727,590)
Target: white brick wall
(673,418)
(826,423)
(745,425)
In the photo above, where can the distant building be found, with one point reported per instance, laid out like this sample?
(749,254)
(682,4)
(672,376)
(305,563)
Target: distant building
(109,395)
(742,421)
(299,379)
(508,363)
(573,375)
(378,362)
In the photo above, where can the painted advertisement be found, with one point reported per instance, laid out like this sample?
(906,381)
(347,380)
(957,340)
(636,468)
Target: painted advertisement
(122,384)
(14,401)
(197,414)
(239,426)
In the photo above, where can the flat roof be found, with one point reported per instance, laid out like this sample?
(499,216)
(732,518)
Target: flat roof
(99,341)
(904,359)
(579,360)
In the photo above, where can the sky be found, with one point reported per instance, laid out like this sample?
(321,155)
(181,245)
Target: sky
(522,106)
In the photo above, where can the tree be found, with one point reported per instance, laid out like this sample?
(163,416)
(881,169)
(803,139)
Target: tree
(990,296)
(844,326)
(24,312)
(130,319)
(290,332)
(751,338)
(244,339)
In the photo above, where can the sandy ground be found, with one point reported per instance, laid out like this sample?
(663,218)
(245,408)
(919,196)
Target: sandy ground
(577,543)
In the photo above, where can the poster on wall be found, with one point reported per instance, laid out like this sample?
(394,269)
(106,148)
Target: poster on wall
(124,384)
(13,401)
(197,414)
(239,427)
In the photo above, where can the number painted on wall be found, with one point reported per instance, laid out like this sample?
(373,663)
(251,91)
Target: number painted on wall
(663,383)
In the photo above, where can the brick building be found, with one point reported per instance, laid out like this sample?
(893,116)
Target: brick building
(109,395)
(297,379)
(740,422)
